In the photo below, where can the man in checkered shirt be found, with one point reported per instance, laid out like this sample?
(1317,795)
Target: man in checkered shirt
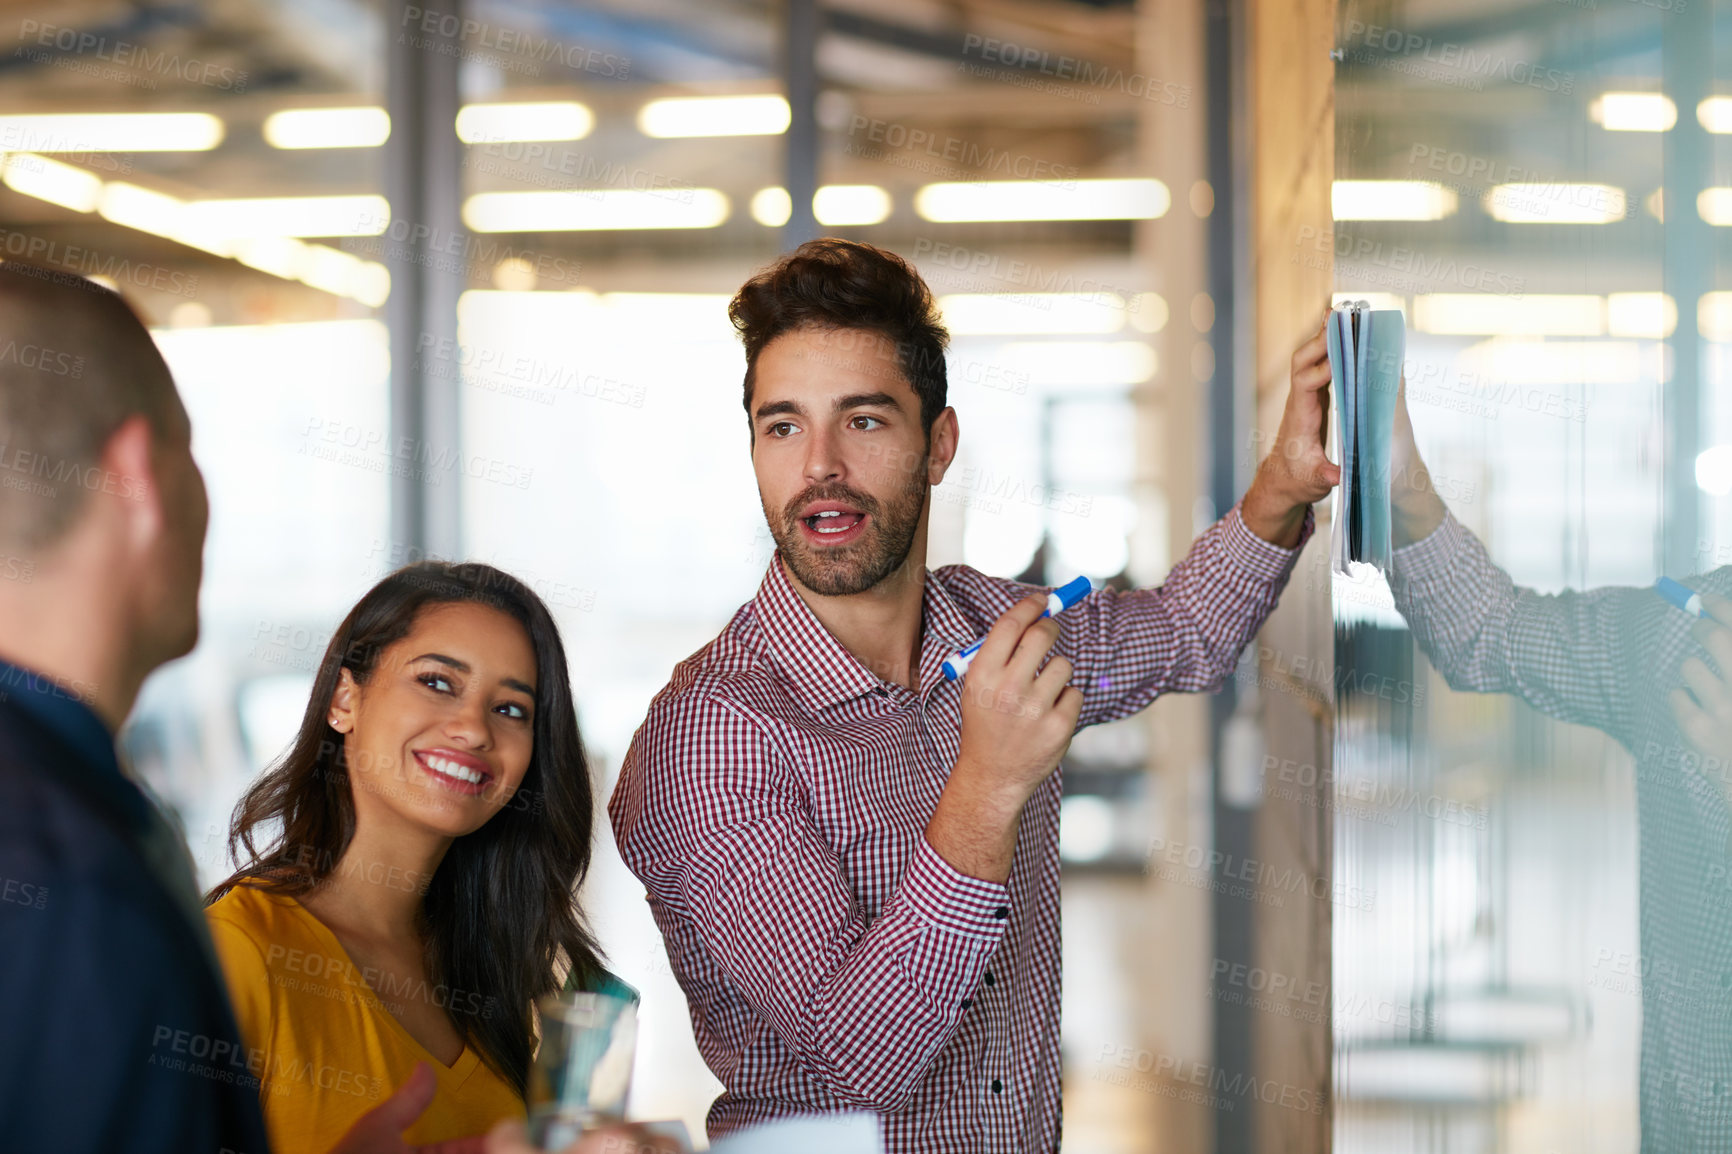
(853,860)
(1628,663)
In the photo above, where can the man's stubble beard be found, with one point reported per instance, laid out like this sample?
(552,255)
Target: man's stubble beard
(842,572)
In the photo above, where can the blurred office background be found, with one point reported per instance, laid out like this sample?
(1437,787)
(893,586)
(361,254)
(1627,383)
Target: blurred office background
(451,280)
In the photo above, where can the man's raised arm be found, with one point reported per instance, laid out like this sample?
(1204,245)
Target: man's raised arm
(1186,634)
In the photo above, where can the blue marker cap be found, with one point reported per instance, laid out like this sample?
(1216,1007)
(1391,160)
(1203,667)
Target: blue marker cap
(1067,595)
(1680,595)
(1057,601)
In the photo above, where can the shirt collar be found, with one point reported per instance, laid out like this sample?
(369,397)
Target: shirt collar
(820,670)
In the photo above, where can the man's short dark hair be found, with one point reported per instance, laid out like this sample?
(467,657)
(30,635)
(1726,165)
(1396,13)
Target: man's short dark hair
(75,362)
(843,284)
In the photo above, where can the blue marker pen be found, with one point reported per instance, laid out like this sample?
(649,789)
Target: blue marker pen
(1682,596)
(1057,601)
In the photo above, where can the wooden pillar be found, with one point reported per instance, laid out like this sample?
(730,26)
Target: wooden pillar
(1292,162)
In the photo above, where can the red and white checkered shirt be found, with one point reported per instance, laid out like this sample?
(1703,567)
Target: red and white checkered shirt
(774,803)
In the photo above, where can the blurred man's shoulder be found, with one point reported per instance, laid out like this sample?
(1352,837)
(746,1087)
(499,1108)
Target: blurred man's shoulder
(58,832)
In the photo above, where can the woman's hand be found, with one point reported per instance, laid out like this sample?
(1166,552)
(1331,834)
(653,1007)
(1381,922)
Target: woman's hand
(380,1130)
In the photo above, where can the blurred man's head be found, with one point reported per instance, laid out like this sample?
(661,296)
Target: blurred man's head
(98,489)
(845,397)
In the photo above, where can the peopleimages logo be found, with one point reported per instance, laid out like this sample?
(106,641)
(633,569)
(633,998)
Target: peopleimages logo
(1408,269)
(89,45)
(451,29)
(981,160)
(1075,70)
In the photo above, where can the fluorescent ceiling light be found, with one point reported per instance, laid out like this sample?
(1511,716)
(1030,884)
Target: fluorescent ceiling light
(648,313)
(141,208)
(1487,314)
(832,204)
(278,255)
(1714,316)
(504,123)
(1096,363)
(327,128)
(1526,361)
(50,180)
(1714,470)
(771,207)
(1391,200)
(1644,315)
(188,222)
(330,269)
(162,215)
(837,204)
(294,216)
(1715,205)
(595,208)
(1633,112)
(1715,114)
(112,132)
(514,275)
(999,314)
(619,316)
(992,200)
(715,116)
(1555,203)
(1148,312)
(371,284)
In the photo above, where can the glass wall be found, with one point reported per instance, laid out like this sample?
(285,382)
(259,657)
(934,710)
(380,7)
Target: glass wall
(1526,770)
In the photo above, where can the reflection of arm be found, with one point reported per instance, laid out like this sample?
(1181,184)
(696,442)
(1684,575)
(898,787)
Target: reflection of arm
(712,821)
(1563,654)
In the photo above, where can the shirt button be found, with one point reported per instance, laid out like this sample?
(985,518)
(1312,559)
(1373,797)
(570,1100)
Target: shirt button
(967,1002)
(997,1086)
(990,980)
(1001,912)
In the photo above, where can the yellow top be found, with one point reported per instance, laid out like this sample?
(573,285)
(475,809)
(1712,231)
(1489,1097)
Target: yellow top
(323,1045)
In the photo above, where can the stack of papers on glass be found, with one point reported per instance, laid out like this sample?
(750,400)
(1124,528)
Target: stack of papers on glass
(1366,347)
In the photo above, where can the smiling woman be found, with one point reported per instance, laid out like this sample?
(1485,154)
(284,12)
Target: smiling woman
(427,831)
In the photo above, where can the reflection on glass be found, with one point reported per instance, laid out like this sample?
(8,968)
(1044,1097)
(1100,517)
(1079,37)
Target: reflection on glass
(1527,775)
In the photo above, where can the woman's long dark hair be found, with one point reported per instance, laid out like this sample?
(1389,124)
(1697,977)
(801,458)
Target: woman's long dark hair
(500,919)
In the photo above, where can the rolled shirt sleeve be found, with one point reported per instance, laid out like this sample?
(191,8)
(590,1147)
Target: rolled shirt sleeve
(1184,635)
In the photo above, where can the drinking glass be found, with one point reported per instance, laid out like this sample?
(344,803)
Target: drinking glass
(582,1073)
